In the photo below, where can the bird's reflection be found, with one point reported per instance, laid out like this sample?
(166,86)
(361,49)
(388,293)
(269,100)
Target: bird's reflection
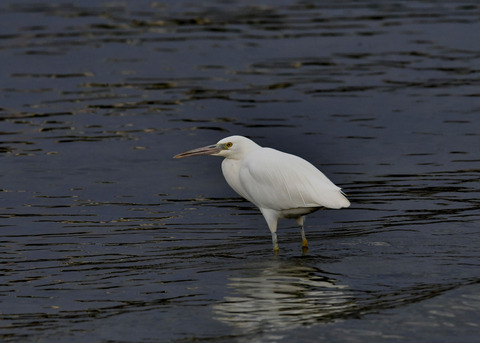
(281,295)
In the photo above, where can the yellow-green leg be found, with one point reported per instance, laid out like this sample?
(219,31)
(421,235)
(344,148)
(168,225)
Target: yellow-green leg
(304,239)
(301,221)
(275,242)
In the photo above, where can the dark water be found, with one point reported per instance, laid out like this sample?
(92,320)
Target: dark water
(106,238)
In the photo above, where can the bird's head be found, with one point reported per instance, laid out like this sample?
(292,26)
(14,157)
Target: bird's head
(234,147)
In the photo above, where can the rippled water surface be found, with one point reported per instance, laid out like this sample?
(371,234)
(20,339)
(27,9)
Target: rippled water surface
(106,238)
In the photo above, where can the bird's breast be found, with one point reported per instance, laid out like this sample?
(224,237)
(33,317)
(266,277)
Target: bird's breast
(231,173)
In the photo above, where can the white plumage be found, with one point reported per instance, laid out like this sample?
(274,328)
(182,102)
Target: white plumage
(281,185)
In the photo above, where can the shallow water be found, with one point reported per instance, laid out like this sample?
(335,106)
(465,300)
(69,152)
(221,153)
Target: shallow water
(106,238)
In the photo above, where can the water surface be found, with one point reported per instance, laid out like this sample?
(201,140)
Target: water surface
(106,238)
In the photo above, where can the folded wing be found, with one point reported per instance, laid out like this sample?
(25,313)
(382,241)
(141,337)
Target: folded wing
(280,181)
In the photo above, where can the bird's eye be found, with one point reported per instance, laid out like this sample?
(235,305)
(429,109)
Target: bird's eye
(228,145)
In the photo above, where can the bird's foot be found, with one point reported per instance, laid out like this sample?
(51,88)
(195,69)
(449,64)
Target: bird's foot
(304,242)
(304,245)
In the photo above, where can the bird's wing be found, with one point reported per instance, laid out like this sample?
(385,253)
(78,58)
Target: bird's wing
(280,181)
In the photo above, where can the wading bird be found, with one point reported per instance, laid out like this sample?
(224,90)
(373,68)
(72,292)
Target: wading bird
(281,185)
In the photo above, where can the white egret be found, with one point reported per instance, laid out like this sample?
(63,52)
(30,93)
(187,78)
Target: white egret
(281,185)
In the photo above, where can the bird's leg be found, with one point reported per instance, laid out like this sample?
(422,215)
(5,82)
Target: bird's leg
(271,217)
(304,239)
(275,242)
(300,221)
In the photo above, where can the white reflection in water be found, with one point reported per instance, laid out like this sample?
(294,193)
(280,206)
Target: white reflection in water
(282,296)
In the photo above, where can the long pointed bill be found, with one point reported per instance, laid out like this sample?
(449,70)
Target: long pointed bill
(206,150)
